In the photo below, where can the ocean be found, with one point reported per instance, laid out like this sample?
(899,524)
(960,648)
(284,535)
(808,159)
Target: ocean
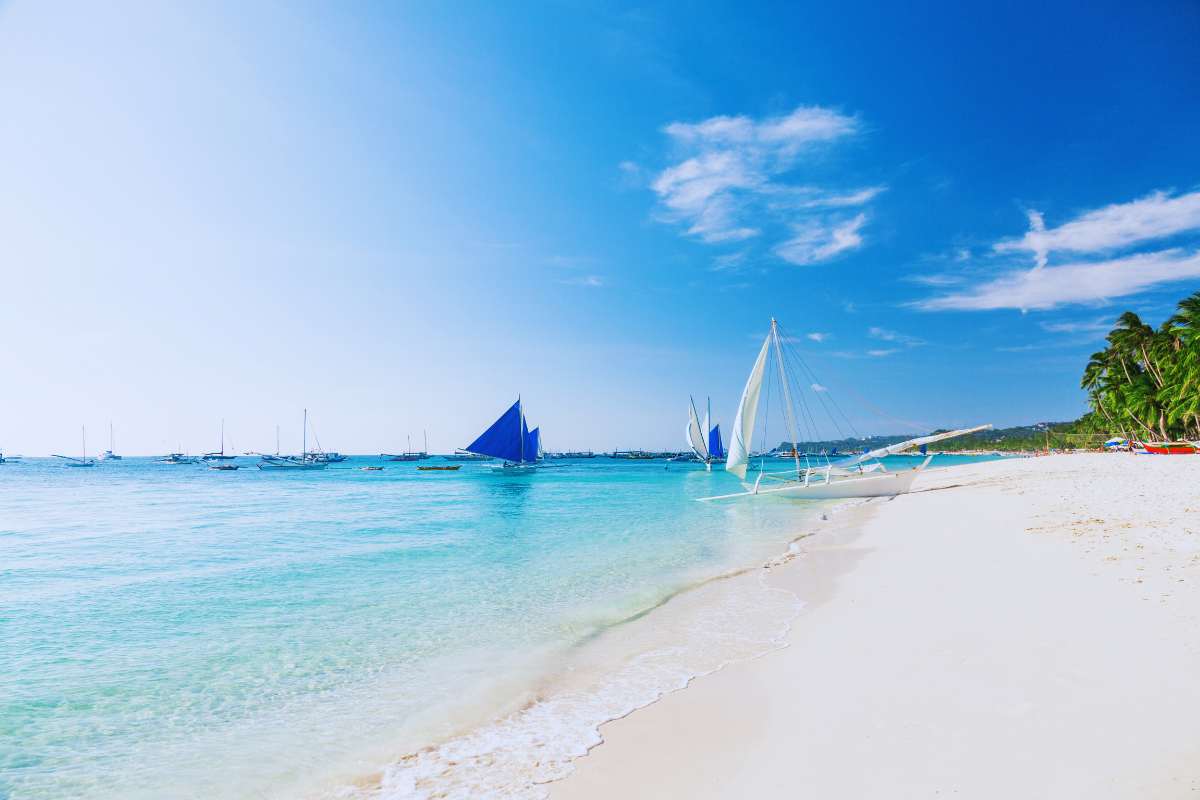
(173,631)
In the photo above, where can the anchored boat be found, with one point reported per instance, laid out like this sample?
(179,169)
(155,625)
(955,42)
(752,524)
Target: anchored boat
(862,475)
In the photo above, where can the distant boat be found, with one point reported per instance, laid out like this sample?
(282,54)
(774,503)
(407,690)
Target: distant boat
(109,455)
(463,455)
(409,454)
(634,455)
(219,455)
(9,459)
(572,454)
(438,468)
(177,459)
(83,460)
(224,467)
(510,440)
(371,469)
(705,440)
(331,457)
(292,462)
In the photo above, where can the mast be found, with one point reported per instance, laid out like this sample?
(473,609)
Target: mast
(110,436)
(521,432)
(222,437)
(787,395)
(83,436)
(425,436)
(304,436)
(276,440)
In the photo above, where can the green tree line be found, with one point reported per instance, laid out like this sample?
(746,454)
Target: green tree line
(1146,383)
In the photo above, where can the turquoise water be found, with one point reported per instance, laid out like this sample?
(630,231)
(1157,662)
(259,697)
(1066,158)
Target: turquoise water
(172,631)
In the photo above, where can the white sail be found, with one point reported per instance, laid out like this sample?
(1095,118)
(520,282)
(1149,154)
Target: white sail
(743,423)
(900,447)
(695,434)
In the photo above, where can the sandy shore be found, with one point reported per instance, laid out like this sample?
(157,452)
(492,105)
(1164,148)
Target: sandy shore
(1025,628)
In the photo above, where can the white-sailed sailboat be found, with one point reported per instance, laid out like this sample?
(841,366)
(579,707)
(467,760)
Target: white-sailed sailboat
(293,462)
(705,440)
(510,440)
(83,460)
(851,477)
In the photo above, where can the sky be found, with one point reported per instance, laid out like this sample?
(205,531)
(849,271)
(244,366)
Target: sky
(402,216)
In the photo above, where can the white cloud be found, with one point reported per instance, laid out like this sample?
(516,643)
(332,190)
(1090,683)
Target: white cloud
(589,281)
(727,188)
(881,353)
(817,241)
(816,387)
(1103,325)
(1115,226)
(1084,282)
(885,335)
(816,336)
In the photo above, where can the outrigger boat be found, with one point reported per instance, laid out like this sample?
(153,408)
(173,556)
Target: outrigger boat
(463,455)
(439,468)
(83,460)
(293,462)
(862,475)
(1165,448)
(510,440)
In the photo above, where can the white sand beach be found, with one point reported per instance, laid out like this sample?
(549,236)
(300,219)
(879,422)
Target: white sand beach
(1015,629)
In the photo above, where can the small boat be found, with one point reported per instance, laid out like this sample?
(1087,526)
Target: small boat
(331,457)
(438,468)
(109,455)
(83,460)
(377,469)
(1167,448)
(462,455)
(409,454)
(219,455)
(224,467)
(177,459)
(705,441)
(293,463)
(510,440)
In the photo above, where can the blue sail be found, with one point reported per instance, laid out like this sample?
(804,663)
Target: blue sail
(715,448)
(532,440)
(504,439)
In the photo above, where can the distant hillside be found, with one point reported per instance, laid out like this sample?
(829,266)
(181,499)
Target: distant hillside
(1023,437)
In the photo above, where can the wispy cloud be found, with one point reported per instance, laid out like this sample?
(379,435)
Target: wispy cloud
(1093,282)
(882,353)
(816,241)
(816,387)
(728,186)
(817,336)
(885,335)
(1104,276)
(1103,325)
(588,281)
(1113,227)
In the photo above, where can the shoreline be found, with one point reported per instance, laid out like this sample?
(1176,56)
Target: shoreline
(994,639)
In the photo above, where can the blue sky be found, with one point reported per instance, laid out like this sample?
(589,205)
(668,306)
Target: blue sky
(402,216)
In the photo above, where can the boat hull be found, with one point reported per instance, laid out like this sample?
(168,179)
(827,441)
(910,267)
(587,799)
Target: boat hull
(1169,449)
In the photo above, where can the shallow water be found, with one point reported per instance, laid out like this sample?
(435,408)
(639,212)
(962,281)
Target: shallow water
(174,631)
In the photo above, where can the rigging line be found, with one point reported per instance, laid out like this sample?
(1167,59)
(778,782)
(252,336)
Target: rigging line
(804,368)
(790,412)
(917,425)
(825,402)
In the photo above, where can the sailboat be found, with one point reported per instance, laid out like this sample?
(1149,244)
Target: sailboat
(83,460)
(705,441)
(109,455)
(292,462)
(863,475)
(409,454)
(510,440)
(219,455)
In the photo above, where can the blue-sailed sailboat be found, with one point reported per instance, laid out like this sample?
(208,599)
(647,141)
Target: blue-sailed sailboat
(510,440)
(705,441)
